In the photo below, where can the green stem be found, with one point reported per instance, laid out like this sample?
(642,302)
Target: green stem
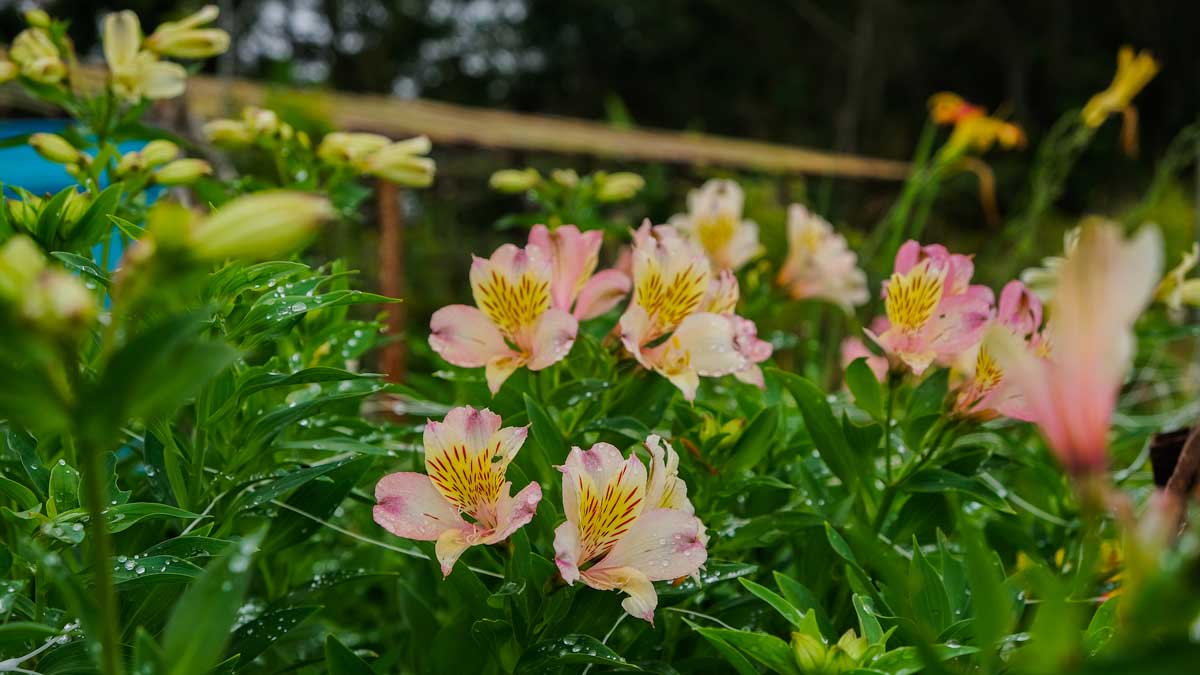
(887,428)
(102,550)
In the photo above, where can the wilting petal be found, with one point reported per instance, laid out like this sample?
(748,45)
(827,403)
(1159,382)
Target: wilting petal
(574,255)
(567,551)
(662,543)
(450,545)
(462,335)
(642,599)
(601,293)
(409,506)
(513,513)
(553,336)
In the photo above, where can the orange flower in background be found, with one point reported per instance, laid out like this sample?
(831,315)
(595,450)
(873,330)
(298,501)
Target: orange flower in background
(973,128)
(1134,72)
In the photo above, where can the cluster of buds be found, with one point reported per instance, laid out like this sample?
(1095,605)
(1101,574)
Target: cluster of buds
(402,162)
(256,127)
(37,52)
(59,150)
(50,299)
(814,657)
(134,61)
(160,158)
(606,187)
(25,212)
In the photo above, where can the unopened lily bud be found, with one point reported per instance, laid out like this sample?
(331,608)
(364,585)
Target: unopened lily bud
(565,177)
(228,133)
(158,152)
(8,71)
(853,645)
(38,18)
(809,652)
(22,213)
(76,204)
(260,226)
(182,172)
(130,162)
(170,225)
(340,147)
(59,303)
(185,39)
(54,148)
(397,163)
(21,261)
(514,180)
(619,186)
(36,54)
(261,122)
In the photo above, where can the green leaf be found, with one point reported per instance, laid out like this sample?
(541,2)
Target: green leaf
(735,658)
(84,266)
(94,224)
(755,441)
(715,571)
(265,492)
(307,376)
(804,600)
(64,488)
(766,649)
(255,637)
(940,480)
(793,615)
(930,395)
(124,516)
(929,600)
(551,446)
(908,660)
(341,661)
(868,624)
(822,426)
(200,624)
(189,546)
(318,499)
(20,494)
(868,393)
(570,650)
(154,569)
(1102,626)
(25,447)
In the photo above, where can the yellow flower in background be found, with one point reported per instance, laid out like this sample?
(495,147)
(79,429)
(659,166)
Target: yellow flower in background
(1134,72)
(1176,290)
(35,54)
(401,162)
(186,39)
(136,73)
(973,128)
(514,180)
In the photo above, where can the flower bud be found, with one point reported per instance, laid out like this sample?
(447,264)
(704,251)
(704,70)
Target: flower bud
(185,39)
(340,147)
(23,214)
(36,54)
(130,162)
(260,122)
(38,18)
(182,172)
(170,226)
(228,133)
(514,180)
(21,261)
(854,646)
(809,652)
(54,148)
(8,71)
(619,186)
(76,204)
(399,163)
(59,303)
(565,177)
(260,226)
(158,152)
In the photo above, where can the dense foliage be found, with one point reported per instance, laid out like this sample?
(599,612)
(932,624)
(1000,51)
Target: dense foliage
(701,456)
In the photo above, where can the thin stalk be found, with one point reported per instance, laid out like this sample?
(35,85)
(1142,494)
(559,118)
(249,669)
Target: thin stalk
(887,427)
(102,551)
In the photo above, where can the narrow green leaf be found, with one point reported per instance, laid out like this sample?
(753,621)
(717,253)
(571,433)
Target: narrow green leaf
(341,661)
(868,393)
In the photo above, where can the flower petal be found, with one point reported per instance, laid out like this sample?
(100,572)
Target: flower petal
(553,337)
(410,506)
(642,599)
(573,254)
(464,336)
(122,39)
(450,545)
(513,513)
(567,551)
(664,488)
(601,293)
(710,341)
(500,367)
(662,543)
(603,493)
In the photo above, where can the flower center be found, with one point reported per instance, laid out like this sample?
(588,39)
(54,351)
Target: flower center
(471,483)
(604,519)
(668,302)
(513,307)
(716,232)
(912,298)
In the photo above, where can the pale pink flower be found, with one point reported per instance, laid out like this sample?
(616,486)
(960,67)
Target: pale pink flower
(714,220)
(666,326)
(1103,286)
(985,392)
(575,286)
(853,348)
(515,322)
(933,311)
(466,458)
(819,264)
(722,298)
(632,526)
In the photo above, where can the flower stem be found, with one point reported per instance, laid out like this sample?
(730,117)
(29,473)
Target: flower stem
(106,596)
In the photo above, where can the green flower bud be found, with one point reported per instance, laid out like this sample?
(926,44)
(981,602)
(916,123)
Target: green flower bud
(260,226)
(619,186)
(21,261)
(23,214)
(809,651)
(54,148)
(182,172)
(565,177)
(8,71)
(76,204)
(228,133)
(59,303)
(38,18)
(514,180)
(158,152)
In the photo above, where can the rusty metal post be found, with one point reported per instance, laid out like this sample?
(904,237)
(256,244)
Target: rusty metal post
(391,276)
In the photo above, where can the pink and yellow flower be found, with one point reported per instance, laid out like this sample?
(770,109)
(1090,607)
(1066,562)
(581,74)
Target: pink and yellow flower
(819,264)
(680,322)
(575,286)
(853,348)
(1103,286)
(714,220)
(985,392)
(515,322)
(627,528)
(466,458)
(933,311)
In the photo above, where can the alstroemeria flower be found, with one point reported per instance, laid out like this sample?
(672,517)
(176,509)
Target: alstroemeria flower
(714,220)
(985,392)
(933,311)
(973,127)
(665,327)
(722,298)
(853,348)
(514,324)
(575,286)
(466,457)
(1134,72)
(1042,280)
(627,528)
(819,264)
(1103,285)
